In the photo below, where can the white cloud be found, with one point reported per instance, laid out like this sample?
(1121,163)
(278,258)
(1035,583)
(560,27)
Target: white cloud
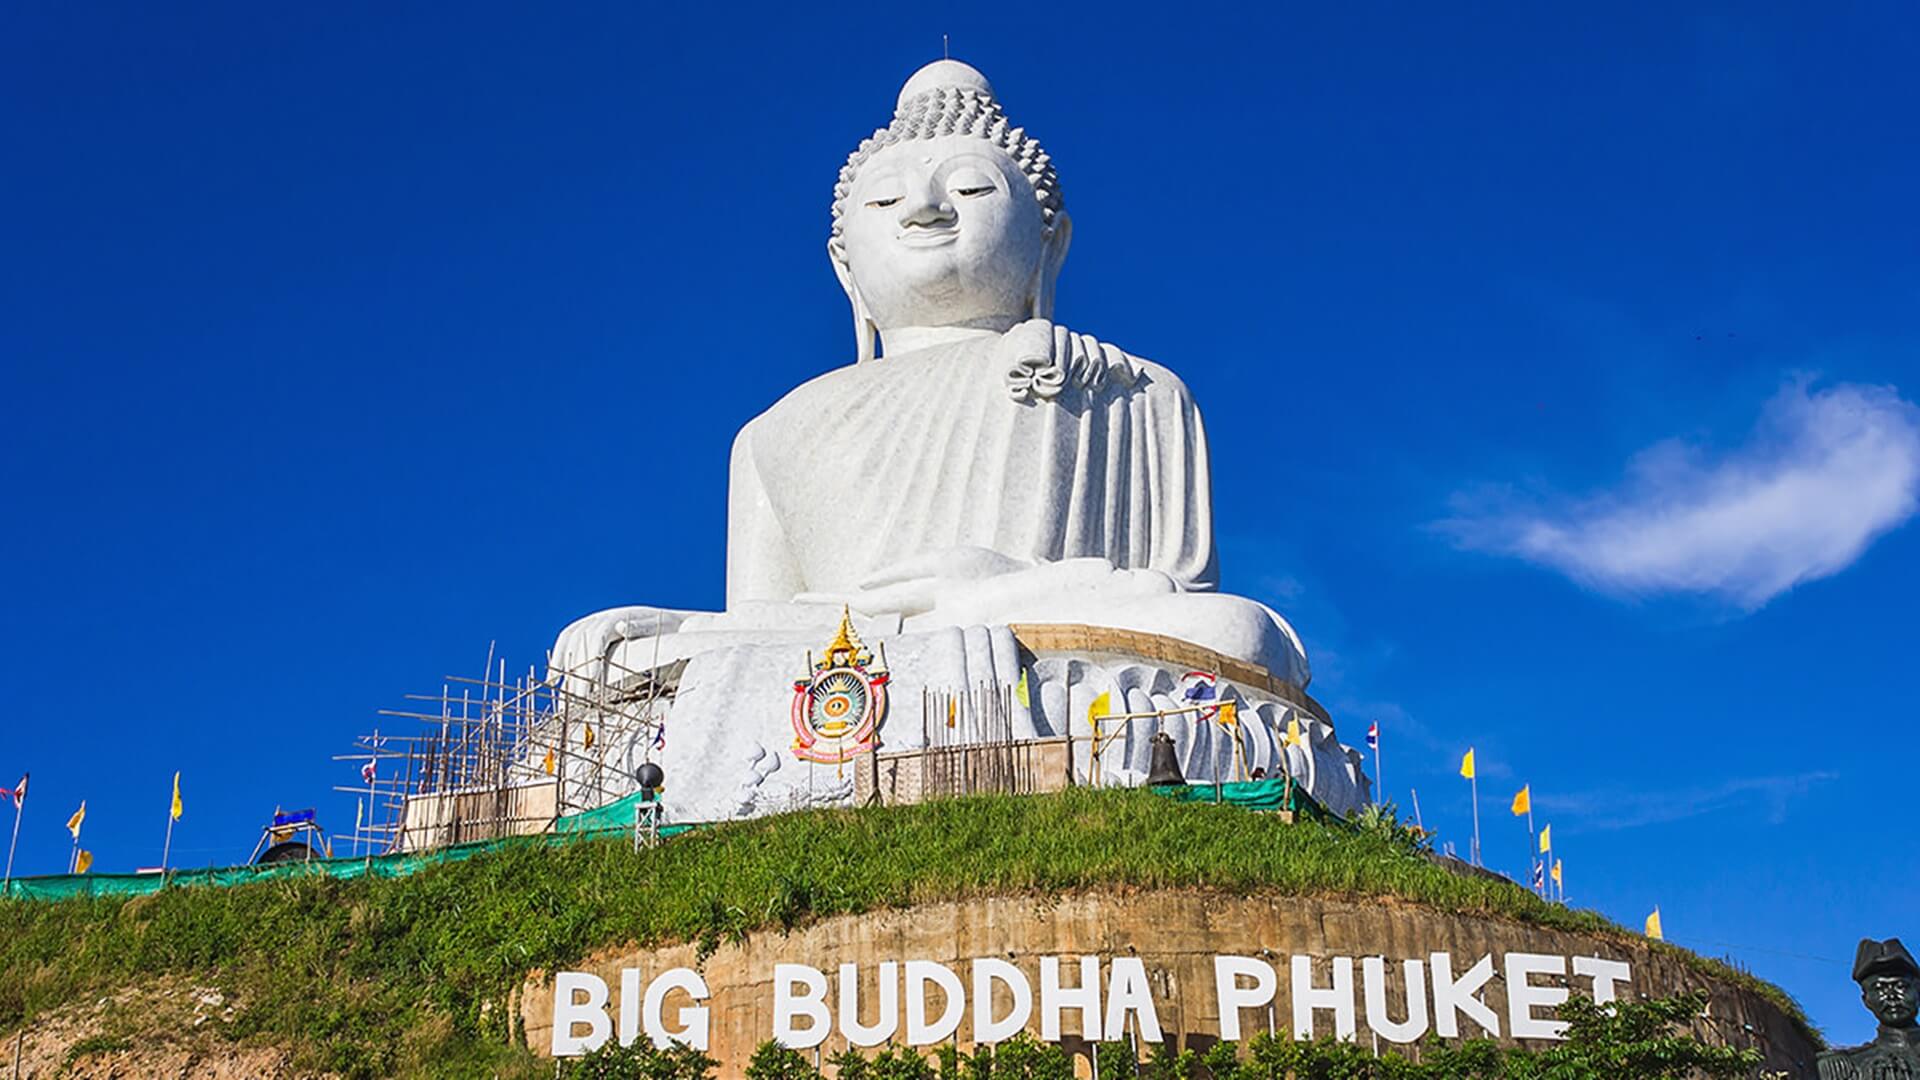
(1630,808)
(1823,475)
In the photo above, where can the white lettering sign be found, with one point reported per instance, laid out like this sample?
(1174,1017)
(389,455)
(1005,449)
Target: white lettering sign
(638,1009)
(925,1002)
(788,1006)
(986,972)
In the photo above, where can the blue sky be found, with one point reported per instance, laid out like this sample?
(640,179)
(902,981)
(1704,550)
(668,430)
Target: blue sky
(1558,368)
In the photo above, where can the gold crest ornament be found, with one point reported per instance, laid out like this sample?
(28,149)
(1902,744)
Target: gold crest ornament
(839,706)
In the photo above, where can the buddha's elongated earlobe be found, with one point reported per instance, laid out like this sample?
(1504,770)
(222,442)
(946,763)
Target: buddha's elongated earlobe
(1052,257)
(865,333)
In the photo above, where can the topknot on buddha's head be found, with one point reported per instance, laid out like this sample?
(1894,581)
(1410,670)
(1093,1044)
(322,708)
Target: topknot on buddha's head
(948,97)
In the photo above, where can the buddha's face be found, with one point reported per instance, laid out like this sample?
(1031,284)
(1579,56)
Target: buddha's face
(944,232)
(1893,999)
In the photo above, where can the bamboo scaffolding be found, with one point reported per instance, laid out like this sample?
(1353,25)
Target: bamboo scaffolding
(477,768)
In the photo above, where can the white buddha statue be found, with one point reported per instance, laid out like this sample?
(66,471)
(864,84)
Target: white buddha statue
(977,464)
(977,467)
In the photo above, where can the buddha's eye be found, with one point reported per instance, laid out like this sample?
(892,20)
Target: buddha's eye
(969,182)
(882,204)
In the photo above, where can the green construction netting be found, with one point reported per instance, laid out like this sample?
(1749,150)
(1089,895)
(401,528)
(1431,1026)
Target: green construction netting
(1250,794)
(612,817)
(616,817)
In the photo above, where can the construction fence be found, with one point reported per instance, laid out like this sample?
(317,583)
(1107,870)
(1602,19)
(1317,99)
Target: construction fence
(614,818)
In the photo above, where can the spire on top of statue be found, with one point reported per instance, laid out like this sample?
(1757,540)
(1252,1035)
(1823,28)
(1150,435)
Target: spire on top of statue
(940,75)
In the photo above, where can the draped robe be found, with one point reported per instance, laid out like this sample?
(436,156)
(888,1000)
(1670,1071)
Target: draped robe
(870,465)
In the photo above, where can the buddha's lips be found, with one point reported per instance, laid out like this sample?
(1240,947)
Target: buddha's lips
(917,236)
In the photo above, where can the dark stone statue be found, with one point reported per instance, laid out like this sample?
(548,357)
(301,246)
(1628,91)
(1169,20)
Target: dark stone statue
(1890,985)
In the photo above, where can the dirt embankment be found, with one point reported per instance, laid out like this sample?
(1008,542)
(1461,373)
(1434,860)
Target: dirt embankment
(175,1031)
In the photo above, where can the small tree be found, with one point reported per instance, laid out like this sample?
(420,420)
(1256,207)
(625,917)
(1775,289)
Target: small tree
(641,1061)
(773,1061)
(1640,1040)
(893,1063)
(1635,1038)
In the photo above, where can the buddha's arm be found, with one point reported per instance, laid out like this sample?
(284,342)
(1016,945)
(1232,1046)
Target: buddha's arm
(760,564)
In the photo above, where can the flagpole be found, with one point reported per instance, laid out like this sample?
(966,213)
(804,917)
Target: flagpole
(1533,843)
(1474,780)
(166,848)
(1379,780)
(8,886)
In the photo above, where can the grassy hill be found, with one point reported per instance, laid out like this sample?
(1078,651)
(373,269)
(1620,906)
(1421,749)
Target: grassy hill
(374,977)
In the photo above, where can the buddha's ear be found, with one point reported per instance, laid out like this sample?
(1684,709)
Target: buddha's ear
(865,333)
(1052,257)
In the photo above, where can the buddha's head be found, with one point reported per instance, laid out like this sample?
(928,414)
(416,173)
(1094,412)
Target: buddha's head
(948,217)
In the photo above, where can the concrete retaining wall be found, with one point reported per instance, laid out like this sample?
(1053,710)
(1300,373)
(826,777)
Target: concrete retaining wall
(1177,934)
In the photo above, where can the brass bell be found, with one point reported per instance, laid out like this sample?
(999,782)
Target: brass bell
(1166,763)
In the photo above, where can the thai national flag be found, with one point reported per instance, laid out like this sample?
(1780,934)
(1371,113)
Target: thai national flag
(1373,735)
(18,794)
(1201,688)
(366,773)
(1539,875)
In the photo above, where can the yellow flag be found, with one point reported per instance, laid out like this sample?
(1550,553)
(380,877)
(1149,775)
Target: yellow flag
(549,761)
(1546,839)
(589,736)
(1523,802)
(82,860)
(80,815)
(1229,713)
(1653,926)
(1097,711)
(1293,734)
(1556,872)
(1466,766)
(953,708)
(176,796)
(1020,693)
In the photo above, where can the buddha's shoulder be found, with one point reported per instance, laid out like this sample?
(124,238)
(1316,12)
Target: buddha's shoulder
(808,398)
(834,383)
(1151,378)
(1159,378)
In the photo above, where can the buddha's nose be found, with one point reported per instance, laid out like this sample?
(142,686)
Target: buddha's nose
(929,213)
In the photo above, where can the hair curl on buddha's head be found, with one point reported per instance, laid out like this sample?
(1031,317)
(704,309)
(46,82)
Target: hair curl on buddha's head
(954,110)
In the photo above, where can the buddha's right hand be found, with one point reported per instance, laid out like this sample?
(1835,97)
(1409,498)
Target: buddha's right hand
(585,644)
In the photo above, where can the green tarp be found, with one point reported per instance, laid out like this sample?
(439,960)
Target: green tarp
(614,817)
(1250,794)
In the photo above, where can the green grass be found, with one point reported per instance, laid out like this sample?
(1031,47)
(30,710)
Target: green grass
(375,976)
(98,1044)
